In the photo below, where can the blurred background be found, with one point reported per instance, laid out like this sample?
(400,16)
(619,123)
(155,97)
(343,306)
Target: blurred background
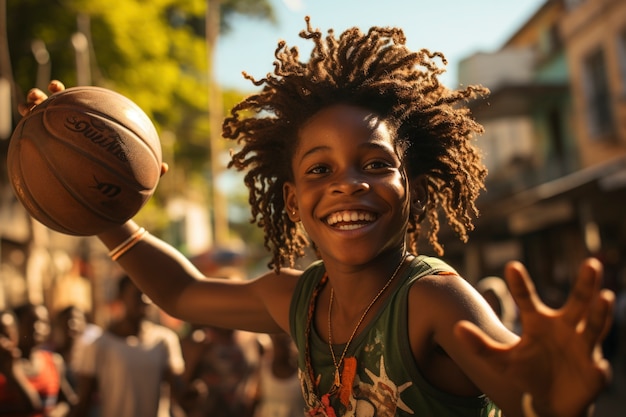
(555,140)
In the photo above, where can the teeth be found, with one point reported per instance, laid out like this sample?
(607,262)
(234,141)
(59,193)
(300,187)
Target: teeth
(350,226)
(352,217)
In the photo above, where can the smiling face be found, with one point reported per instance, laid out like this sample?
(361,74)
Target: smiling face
(349,190)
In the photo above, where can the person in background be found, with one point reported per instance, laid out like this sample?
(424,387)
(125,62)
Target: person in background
(224,362)
(280,394)
(128,363)
(18,396)
(44,371)
(70,334)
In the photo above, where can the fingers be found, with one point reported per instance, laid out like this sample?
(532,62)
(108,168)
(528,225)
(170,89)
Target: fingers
(599,319)
(586,287)
(521,287)
(606,371)
(164,168)
(587,308)
(35,96)
(56,86)
(608,297)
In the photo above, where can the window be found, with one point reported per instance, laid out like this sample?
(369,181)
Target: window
(550,41)
(597,94)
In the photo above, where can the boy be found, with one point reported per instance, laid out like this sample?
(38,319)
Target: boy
(348,153)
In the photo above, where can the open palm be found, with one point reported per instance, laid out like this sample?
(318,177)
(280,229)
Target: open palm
(558,358)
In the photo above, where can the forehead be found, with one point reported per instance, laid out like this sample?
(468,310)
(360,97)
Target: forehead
(346,121)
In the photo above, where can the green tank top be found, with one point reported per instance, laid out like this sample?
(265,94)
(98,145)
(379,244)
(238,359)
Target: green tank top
(387,381)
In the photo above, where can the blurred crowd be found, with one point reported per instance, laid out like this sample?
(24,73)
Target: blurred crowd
(61,364)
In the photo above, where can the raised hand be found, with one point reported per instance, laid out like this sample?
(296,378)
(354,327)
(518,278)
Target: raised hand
(36,96)
(558,359)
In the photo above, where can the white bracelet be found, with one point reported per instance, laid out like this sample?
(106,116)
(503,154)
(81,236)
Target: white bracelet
(527,405)
(123,247)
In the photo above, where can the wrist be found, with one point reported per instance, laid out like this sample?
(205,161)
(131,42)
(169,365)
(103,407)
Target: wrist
(114,236)
(127,244)
(122,239)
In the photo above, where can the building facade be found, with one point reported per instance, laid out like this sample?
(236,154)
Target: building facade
(554,145)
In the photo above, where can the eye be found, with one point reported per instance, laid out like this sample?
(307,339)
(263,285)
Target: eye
(318,169)
(378,165)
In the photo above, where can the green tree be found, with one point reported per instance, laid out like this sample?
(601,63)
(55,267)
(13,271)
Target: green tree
(154,52)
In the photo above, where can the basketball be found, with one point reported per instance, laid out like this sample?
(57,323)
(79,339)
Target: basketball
(84,160)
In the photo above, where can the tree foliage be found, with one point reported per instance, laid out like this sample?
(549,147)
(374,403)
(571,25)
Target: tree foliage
(153,51)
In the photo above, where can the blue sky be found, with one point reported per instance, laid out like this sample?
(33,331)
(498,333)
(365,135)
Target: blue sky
(458,28)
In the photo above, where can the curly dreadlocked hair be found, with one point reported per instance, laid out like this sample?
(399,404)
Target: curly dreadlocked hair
(378,72)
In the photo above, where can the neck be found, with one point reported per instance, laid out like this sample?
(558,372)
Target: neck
(354,286)
(349,315)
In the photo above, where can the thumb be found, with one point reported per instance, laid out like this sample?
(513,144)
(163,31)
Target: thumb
(475,340)
(488,356)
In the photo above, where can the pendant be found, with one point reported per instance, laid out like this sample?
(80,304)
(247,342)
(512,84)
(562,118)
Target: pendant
(336,383)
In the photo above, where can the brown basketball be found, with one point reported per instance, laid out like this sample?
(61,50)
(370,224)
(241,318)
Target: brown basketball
(84,160)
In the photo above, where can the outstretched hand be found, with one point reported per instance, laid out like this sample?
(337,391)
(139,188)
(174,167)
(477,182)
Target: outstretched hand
(558,359)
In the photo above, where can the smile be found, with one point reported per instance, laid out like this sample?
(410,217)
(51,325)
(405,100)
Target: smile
(350,220)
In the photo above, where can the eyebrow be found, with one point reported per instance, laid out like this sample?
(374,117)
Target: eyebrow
(375,144)
(314,151)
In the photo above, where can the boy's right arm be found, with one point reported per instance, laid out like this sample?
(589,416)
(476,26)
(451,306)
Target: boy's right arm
(175,285)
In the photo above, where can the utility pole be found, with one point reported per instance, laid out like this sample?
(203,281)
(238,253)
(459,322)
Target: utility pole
(7,98)
(80,42)
(42,56)
(219,202)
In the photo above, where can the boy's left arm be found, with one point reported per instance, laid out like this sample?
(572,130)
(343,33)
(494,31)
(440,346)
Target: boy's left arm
(557,365)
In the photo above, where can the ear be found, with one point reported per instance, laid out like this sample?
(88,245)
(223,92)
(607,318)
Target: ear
(291,202)
(419,195)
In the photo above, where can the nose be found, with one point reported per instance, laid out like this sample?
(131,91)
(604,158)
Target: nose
(349,182)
